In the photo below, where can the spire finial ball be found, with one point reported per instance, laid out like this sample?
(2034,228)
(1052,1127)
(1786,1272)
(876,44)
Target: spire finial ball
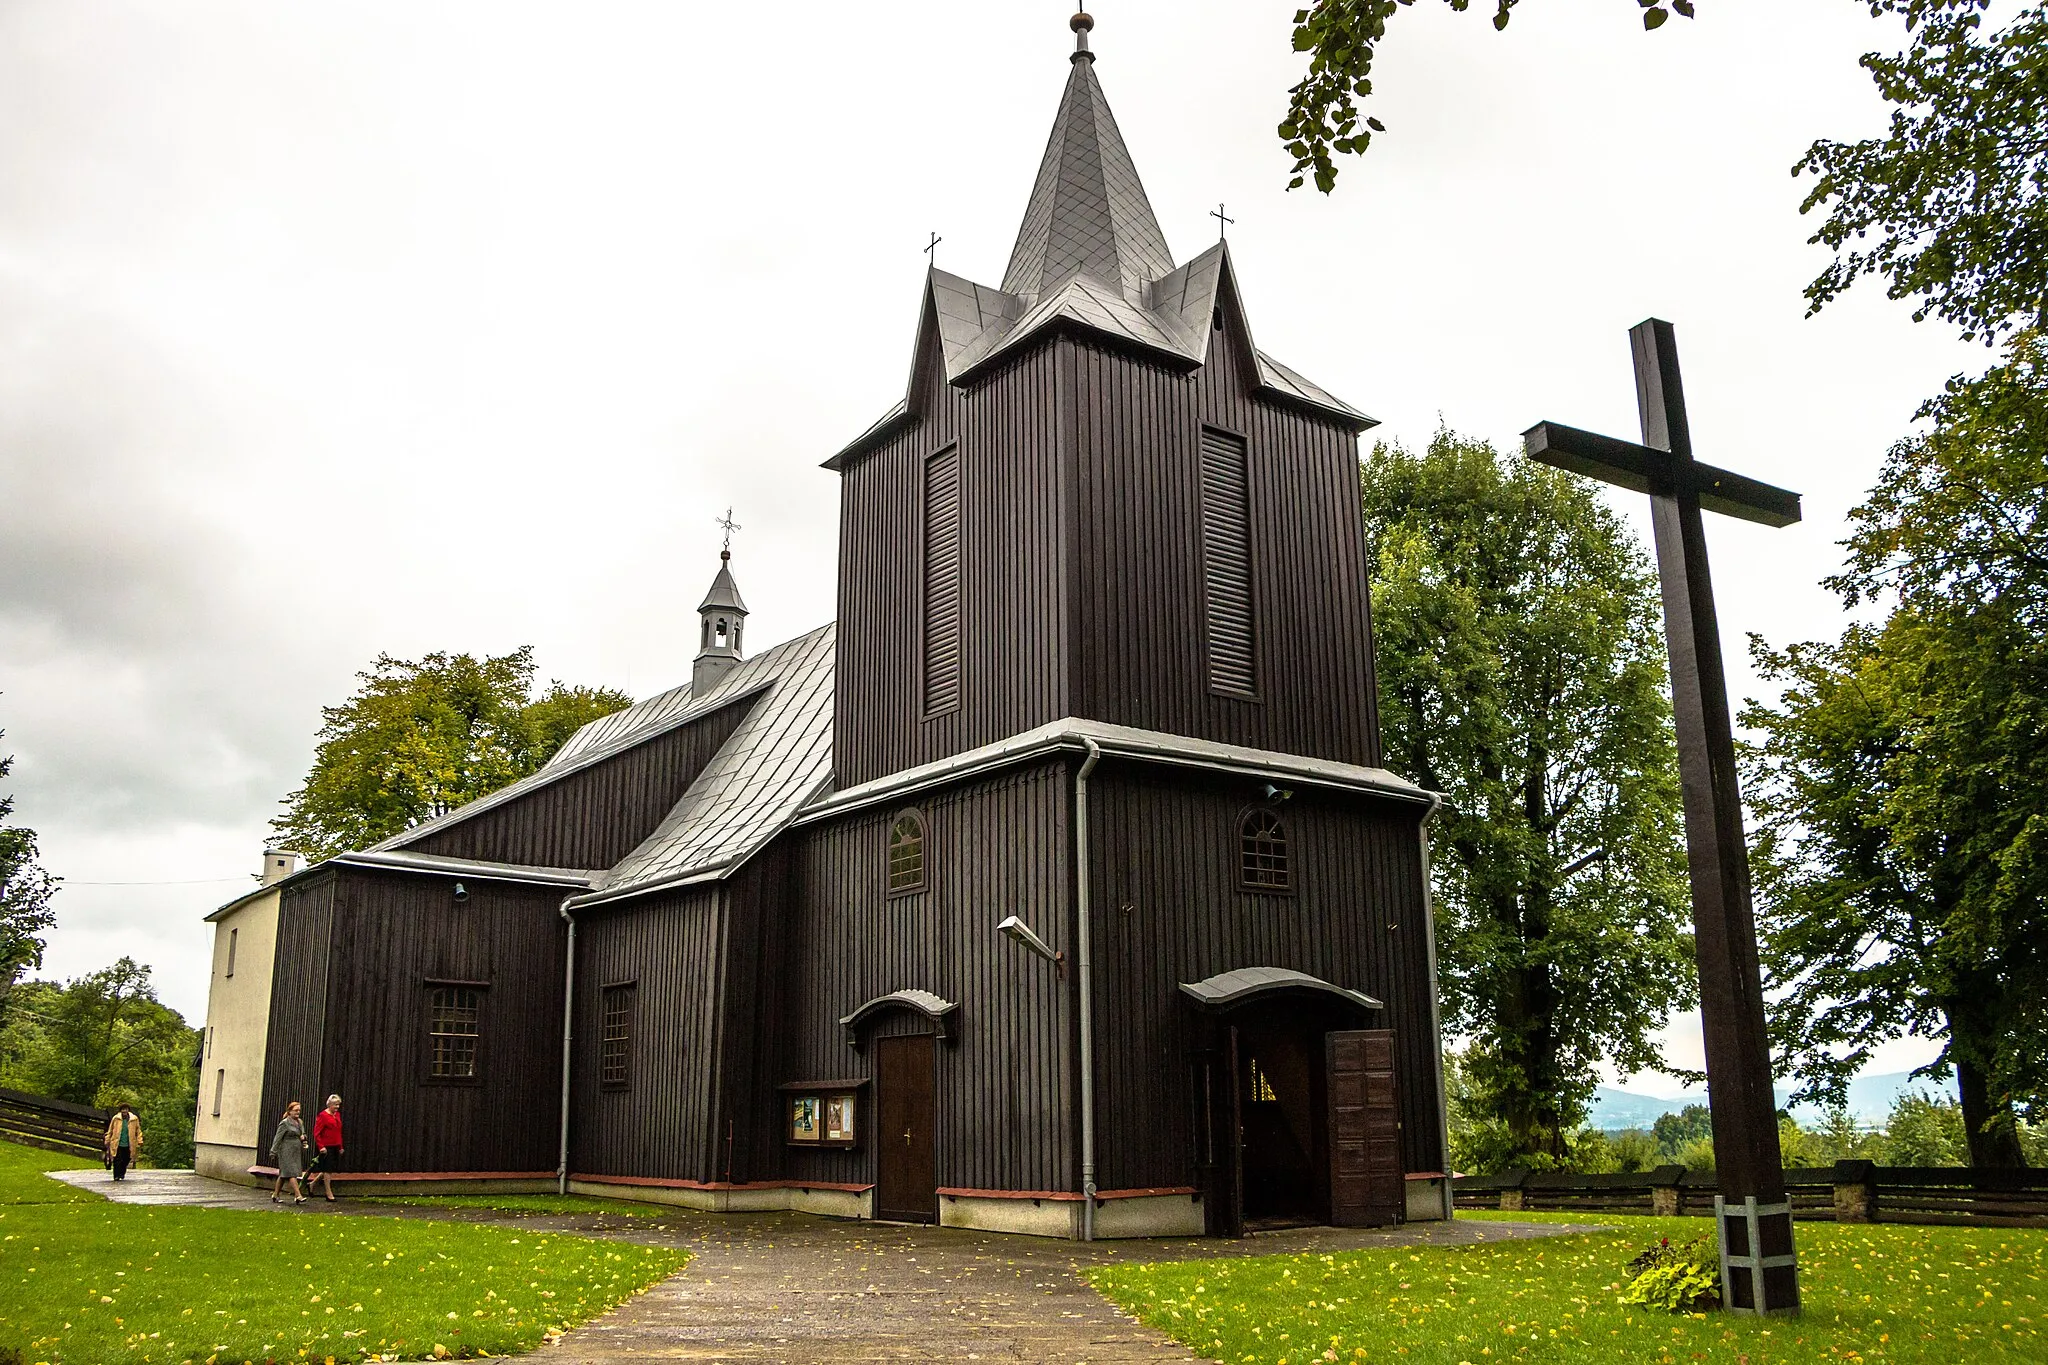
(1081,22)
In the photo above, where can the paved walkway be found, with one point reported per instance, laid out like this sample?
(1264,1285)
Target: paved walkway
(804,1290)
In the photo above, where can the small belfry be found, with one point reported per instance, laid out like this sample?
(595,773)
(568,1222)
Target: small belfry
(722,616)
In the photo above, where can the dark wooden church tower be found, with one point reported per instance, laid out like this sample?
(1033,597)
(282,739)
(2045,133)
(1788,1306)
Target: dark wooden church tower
(1103,521)
(1055,888)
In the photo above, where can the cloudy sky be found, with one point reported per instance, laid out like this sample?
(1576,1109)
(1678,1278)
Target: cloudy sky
(326,330)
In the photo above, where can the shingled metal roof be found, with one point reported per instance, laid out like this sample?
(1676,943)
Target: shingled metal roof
(1089,255)
(778,759)
(1088,211)
(608,736)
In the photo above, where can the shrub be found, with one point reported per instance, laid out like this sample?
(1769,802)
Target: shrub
(1677,1279)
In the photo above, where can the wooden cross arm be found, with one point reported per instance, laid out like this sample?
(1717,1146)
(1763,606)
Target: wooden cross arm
(1646,470)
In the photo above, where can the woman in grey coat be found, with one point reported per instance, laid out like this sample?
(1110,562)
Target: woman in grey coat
(288,1150)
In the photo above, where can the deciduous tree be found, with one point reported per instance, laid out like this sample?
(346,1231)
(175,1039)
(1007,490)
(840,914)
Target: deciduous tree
(1902,777)
(1950,206)
(1521,671)
(421,737)
(25,894)
(1342,37)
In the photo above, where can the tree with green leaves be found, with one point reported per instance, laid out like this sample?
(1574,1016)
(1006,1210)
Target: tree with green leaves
(421,737)
(1901,779)
(1342,37)
(1950,206)
(1521,672)
(25,894)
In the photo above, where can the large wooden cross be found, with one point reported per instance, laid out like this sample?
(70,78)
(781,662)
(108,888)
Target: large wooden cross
(1759,1273)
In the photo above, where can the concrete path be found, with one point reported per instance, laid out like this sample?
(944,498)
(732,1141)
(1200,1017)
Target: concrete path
(802,1290)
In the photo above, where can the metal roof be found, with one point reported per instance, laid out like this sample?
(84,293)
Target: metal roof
(778,759)
(605,737)
(1087,211)
(1226,989)
(1089,255)
(724,594)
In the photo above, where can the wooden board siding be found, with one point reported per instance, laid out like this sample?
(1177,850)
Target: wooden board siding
(394,931)
(1012,553)
(1168,910)
(993,848)
(662,1124)
(595,817)
(298,1009)
(1081,558)
(1137,645)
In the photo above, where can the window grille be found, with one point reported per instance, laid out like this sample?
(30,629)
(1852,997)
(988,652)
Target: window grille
(453,1030)
(1262,1089)
(906,853)
(1263,845)
(615,1047)
(1227,564)
(942,581)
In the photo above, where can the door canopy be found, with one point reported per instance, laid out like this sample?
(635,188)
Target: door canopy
(933,1007)
(1228,990)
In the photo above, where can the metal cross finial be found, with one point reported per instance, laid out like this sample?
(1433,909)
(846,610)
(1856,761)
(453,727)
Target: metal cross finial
(726,521)
(1223,221)
(931,248)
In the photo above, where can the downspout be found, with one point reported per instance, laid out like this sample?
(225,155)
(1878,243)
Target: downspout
(1436,1025)
(1085,979)
(568,1014)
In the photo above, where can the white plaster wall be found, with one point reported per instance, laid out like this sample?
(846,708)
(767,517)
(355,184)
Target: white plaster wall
(238,1026)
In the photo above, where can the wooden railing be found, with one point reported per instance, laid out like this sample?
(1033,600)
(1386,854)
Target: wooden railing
(1847,1192)
(54,1125)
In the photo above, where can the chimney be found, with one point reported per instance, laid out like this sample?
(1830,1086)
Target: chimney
(278,863)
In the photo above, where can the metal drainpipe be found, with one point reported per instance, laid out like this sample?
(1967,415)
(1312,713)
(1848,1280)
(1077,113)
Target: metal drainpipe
(1085,979)
(568,1007)
(1443,1101)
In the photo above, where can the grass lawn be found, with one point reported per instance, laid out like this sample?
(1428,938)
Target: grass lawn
(82,1280)
(1872,1293)
(534,1204)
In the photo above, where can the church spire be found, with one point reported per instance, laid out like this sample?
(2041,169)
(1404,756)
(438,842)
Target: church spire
(1088,211)
(723,616)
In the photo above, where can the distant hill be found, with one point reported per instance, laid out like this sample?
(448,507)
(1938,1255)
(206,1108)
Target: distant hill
(1870,1101)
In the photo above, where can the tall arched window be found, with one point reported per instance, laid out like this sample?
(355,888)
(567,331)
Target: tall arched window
(906,853)
(1262,847)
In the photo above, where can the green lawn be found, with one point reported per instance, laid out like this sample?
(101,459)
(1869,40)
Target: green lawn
(82,1280)
(1872,1293)
(533,1204)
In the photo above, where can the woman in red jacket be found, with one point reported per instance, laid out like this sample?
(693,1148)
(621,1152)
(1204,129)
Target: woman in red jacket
(327,1153)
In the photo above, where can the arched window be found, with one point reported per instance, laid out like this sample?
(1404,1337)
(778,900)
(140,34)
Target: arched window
(906,853)
(1263,848)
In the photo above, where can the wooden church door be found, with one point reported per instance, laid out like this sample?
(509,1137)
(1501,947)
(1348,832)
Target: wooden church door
(906,1188)
(1367,1187)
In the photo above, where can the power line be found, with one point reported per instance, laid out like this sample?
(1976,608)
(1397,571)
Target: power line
(193,881)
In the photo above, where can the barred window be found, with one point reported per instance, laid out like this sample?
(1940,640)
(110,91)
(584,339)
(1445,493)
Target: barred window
(452,1030)
(1263,844)
(615,1044)
(906,853)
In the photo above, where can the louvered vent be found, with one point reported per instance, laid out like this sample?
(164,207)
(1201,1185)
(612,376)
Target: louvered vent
(942,581)
(1227,563)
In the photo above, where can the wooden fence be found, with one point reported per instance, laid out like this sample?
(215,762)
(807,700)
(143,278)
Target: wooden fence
(1847,1192)
(54,1125)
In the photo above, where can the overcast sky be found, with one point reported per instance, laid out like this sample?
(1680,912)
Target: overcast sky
(331,330)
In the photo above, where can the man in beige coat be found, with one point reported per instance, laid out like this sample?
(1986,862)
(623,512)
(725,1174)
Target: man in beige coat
(123,1141)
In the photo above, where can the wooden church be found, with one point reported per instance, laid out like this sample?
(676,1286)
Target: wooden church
(1057,887)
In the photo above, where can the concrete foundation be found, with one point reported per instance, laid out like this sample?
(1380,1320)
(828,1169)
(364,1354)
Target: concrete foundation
(1427,1200)
(223,1162)
(830,1203)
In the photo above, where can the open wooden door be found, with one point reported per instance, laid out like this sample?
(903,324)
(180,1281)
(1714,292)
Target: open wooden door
(906,1176)
(1367,1185)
